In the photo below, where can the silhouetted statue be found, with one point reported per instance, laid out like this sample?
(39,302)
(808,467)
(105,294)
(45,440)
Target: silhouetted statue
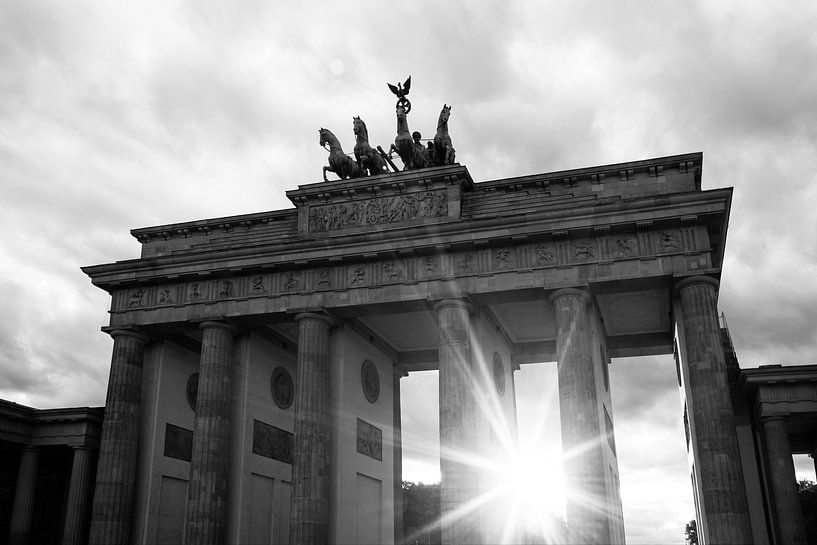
(368,159)
(339,163)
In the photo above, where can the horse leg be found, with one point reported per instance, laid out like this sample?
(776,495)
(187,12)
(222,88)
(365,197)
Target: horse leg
(325,179)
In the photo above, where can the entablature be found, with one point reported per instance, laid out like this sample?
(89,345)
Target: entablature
(658,226)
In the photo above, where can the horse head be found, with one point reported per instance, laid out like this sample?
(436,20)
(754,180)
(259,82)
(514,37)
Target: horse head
(359,127)
(445,113)
(402,123)
(328,137)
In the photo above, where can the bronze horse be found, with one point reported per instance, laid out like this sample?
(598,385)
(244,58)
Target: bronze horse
(443,150)
(413,156)
(339,163)
(367,158)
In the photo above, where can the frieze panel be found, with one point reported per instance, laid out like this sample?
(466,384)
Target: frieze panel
(611,252)
(272,442)
(178,443)
(583,250)
(323,279)
(378,211)
(393,271)
(369,440)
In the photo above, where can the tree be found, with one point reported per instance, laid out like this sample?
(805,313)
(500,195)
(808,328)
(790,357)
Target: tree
(691,532)
(807,490)
(421,513)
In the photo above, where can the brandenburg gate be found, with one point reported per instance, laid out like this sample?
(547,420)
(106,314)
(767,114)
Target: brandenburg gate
(254,391)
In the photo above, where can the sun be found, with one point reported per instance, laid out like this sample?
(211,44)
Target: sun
(529,491)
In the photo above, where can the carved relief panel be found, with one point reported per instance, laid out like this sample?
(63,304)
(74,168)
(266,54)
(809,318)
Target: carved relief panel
(479,259)
(378,211)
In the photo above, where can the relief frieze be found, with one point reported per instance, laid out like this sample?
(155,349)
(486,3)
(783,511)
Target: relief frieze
(369,440)
(503,258)
(393,272)
(257,285)
(409,268)
(357,277)
(378,211)
(165,297)
(668,241)
(583,250)
(545,254)
(272,442)
(624,247)
(291,282)
(225,288)
(137,298)
(323,280)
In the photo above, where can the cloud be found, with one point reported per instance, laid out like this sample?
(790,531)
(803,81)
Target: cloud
(115,117)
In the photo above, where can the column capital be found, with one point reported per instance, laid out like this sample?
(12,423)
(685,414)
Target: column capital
(458,302)
(129,333)
(694,280)
(217,325)
(314,316)
(568,292)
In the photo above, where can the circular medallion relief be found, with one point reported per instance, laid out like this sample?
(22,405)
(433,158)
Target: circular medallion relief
(282,388)
(499,374)
(370,380)
(192,390)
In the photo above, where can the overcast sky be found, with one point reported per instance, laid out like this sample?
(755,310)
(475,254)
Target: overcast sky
(115,116)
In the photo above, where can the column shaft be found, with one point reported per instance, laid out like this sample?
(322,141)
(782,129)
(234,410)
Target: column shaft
(716,450)
(116,470)
(459,477)
(23,509)
(206,514)
(310,471)
(788,514)
(587,509)
(397,457)
(76,507)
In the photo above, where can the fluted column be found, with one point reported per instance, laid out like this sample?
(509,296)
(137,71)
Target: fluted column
(309,520)
(587,509)
(76,506)
(206,514)
(23,509)
(788,514)
(397,455)
(458,484)
(116,470)
(716,446)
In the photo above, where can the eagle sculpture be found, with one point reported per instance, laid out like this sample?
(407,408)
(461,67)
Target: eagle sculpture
(402,89)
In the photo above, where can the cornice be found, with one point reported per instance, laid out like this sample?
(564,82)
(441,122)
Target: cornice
(227,223)
(670,210)
(687,162)
(751,379)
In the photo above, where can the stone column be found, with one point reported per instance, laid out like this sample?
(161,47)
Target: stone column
(206,513)
(814,460)
(716,451)
(309,520)
(587,506)
(116,469)
(788,514)
(22,511)
(76,507)
(459,478)
(397,455)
